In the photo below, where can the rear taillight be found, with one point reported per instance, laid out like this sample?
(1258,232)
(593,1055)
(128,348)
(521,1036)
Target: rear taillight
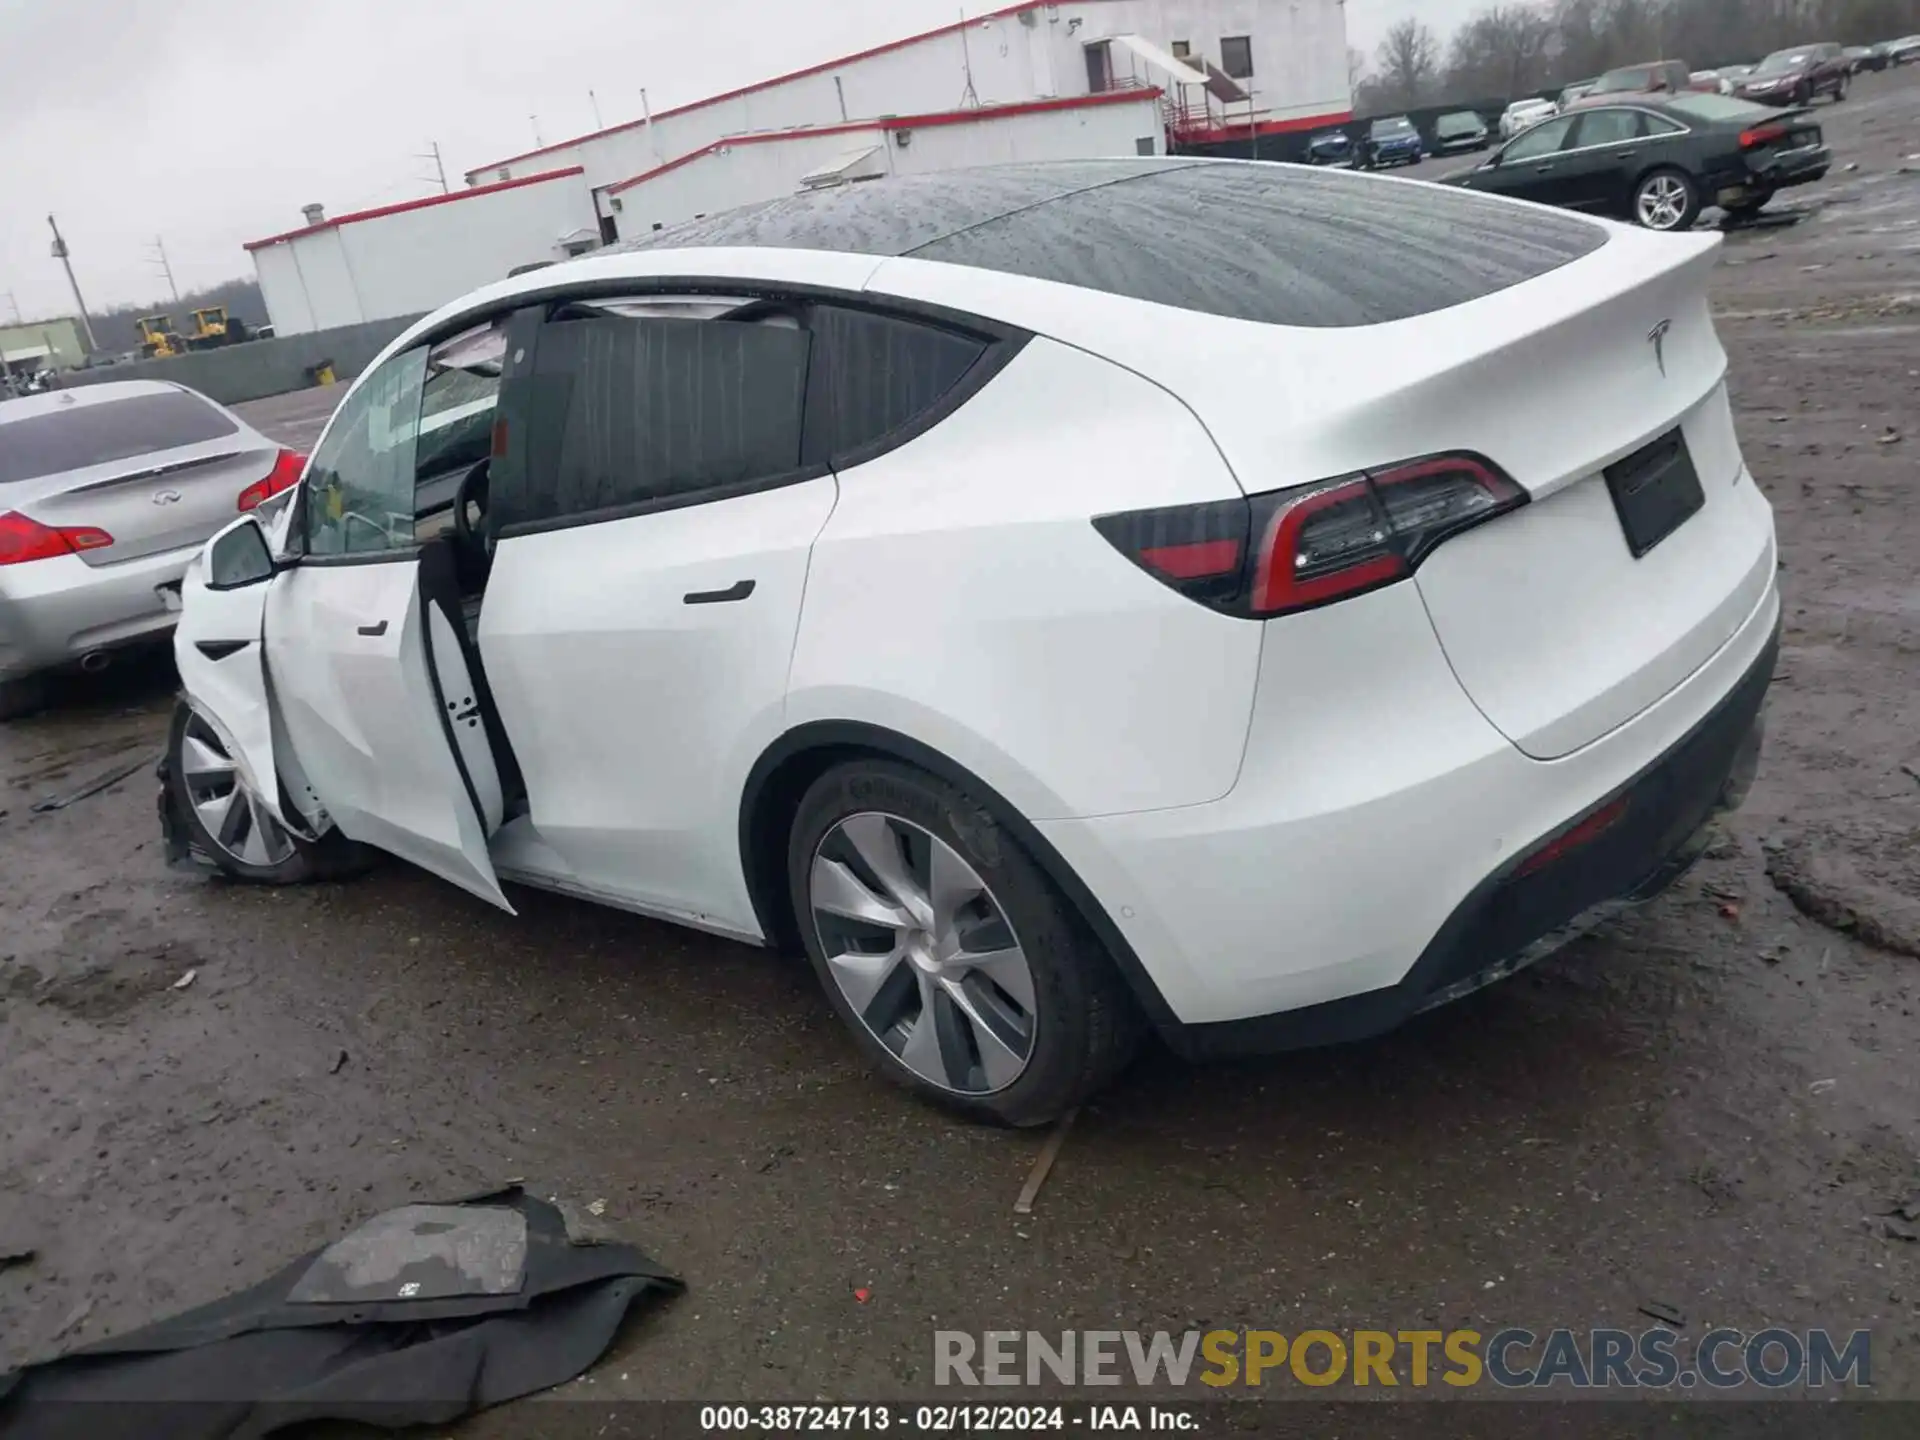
(23,539)
(1296,549)
(285,474)
(1761,135)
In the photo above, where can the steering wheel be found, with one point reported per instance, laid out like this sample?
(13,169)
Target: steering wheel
(472,495)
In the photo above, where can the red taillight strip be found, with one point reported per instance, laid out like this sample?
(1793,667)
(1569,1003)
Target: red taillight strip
(287,468)
(1199,560)
(1583,833)
(1275,585)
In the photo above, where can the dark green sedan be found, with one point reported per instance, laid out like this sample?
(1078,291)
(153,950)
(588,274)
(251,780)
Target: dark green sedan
(1658,162)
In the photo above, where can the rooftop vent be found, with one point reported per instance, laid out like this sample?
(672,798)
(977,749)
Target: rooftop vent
(316,214)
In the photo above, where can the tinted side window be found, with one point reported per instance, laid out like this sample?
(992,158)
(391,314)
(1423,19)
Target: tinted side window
(1542,140)
(873,374)
(358,492)
(1659,125)
(1608,127)
(632,412)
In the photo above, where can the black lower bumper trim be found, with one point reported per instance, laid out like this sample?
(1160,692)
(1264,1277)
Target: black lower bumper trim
(1513,918)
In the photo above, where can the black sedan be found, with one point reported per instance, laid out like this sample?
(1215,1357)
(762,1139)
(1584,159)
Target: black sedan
(1331,147)
(1658,162)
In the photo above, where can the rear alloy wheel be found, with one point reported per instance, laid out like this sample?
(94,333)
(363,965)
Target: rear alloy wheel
(958,966)
(1666,200)
(227,820)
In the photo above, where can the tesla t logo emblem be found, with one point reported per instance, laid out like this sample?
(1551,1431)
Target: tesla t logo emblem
(1657,337)
(166,497)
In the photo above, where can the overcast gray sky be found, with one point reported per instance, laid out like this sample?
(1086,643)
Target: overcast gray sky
(211,122)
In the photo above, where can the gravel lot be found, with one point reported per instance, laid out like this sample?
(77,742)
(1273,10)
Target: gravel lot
(1713,1104)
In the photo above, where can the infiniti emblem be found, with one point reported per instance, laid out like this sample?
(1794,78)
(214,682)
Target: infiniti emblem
(165,497)
(1657,337)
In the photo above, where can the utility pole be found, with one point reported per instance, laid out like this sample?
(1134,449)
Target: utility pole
(160,252)
(439,166)
(60,254)
(594,101)
(538,143)
(14,304)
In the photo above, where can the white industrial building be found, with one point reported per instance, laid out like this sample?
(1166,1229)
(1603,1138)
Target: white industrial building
(742,169)
(403,259)
(1078,79)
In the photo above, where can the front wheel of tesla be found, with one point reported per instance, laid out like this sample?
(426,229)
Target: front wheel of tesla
(226,820)
(961,970)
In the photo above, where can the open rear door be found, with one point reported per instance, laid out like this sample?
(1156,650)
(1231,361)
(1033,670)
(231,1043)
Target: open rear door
(390,720)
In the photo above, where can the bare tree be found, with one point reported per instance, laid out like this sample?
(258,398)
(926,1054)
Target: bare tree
(1356,68)
(1409,64)
(1504,50)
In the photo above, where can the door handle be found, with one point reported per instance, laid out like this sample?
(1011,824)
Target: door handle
(379,629)
(739,590)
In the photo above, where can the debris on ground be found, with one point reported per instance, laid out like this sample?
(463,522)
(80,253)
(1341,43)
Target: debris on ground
(184,981)
(1043,1165)
(1828,887)
(339,1063)
(862,1294)
(12,1255)
(1665,1311)
(92,787)
(1821,1087)
(421,1315)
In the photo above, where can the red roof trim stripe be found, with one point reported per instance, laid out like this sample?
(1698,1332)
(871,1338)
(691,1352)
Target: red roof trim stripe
(468,194)
(890,123)
(758,85)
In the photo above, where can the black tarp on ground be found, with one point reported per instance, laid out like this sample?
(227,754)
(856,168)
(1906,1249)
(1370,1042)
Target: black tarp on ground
(418,1317)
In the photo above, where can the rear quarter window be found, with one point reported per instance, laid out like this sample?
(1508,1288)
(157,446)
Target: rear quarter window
(82,436)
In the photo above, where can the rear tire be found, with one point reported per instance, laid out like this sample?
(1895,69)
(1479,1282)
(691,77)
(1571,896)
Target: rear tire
(22,697)
(1840,90)
(207,788)
(1018,1037)
(1666,200)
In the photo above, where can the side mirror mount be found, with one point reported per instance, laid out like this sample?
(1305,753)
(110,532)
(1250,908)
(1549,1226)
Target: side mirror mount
(239,556)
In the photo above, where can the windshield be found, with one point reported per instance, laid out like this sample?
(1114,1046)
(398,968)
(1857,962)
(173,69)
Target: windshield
(1634,77)
(86,435)
(1400,126)
(1330,137)
(1781,63)
(1460,122)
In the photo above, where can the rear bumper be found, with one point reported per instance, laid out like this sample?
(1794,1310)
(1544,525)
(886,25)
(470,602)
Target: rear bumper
(54,611)
(1366,864)
(1513,919)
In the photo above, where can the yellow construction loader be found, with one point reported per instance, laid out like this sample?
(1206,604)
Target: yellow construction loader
(158,339)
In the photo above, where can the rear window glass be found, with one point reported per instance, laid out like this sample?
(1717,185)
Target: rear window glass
(86,435)
(1278,244)
(1718,107)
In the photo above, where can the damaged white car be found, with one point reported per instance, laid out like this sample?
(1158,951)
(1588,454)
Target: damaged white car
(1250,602)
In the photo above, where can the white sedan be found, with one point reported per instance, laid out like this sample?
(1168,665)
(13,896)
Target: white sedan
(975,580)
(1524,115)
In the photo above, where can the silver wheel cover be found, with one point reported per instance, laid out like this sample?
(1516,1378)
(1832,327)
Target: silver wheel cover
(1663,202)
(922,952)
(240,827)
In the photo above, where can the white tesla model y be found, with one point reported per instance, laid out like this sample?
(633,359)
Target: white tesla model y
(1249,602)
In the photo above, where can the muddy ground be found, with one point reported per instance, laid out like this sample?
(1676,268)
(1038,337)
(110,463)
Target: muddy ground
(1712,1105)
